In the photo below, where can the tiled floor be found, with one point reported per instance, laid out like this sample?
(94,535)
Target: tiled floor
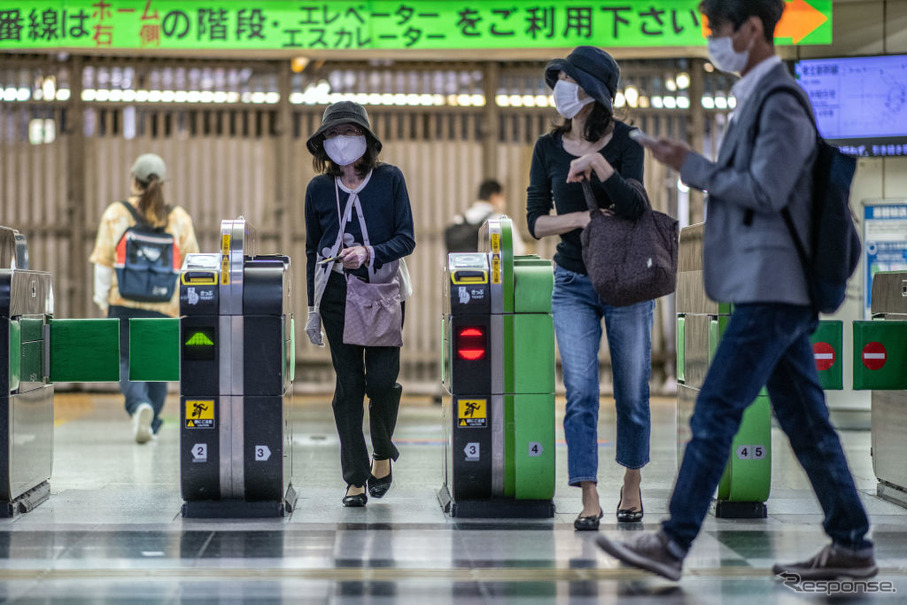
(111,531)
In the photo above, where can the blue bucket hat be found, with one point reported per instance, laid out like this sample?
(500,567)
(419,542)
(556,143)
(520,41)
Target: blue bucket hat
(593,69)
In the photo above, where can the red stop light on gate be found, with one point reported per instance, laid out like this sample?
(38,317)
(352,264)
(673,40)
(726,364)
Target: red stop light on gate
(471,343)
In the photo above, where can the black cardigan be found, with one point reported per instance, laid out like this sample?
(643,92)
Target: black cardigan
(388,216)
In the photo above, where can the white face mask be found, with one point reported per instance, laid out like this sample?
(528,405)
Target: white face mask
(566,99)
(344,150)
(724,57)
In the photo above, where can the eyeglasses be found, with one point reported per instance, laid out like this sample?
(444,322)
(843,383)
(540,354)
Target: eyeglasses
(346,130)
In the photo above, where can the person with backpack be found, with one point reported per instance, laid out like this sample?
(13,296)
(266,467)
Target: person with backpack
(140,246)
(462,235)
(750,259)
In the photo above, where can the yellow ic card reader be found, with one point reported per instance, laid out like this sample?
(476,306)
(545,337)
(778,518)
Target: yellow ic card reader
(465,277)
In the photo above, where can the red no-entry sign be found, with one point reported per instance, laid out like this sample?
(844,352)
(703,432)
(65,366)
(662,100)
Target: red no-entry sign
(824,354)
(874,355)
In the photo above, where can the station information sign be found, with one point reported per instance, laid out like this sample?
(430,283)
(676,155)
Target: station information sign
(332,25)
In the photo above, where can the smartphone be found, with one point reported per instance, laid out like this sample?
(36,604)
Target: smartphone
(642,138)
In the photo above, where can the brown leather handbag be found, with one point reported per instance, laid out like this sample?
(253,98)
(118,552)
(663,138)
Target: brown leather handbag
(629,261)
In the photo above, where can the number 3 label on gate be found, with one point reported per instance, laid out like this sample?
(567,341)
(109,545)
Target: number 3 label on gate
(751,452)
(472,452)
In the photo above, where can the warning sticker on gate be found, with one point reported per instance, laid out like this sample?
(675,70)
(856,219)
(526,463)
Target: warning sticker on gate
(472,413)
(199,414)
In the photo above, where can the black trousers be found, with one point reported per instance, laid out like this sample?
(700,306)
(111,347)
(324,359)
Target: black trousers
(360,371)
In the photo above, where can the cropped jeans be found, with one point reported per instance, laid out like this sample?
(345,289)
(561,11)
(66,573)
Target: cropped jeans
(578,314)
(765,344)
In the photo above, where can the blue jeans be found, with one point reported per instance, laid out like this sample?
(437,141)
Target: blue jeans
(137,393)
(765,344)
(578,313)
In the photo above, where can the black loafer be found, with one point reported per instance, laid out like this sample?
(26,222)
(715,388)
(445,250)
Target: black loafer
(589,523)
(357,501)
(378,487)
(629,515)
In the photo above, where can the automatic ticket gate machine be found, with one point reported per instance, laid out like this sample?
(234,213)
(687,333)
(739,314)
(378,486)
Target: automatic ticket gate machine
(237,363)
(498,374)
(746,482)
(26,396)
(880,365)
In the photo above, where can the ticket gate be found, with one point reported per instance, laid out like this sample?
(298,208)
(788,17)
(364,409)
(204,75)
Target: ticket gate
(880,365)
(232,350)
(26,397)
(746,482)
(498,376)
(237,363)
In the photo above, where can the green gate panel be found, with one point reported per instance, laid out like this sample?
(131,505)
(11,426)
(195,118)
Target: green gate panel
(828,349)
(880,355)
(154,351)
(533,449)
(84,350)
(533,282)
(529,367)
(15,355)
(681,350)
(748,474)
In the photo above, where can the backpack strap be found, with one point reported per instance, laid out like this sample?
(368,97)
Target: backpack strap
(139,219)
(785,212)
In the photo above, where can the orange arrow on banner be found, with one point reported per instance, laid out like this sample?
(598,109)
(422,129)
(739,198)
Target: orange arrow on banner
(798,21)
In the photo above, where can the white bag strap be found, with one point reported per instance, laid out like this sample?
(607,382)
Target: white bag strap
(323,272)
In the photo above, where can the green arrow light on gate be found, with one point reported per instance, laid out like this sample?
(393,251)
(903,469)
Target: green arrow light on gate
(199,339)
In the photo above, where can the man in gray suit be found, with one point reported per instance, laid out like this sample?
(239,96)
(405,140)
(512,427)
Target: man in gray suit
(750,260)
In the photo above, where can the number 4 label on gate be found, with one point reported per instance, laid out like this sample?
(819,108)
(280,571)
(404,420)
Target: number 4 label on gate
(751,452)
(535,449)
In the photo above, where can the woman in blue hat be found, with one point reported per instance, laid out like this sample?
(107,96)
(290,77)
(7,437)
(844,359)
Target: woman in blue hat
(591,143)
(359,226)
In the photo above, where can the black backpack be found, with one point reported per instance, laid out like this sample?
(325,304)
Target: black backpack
(147,261)
(834,249)
(462,236)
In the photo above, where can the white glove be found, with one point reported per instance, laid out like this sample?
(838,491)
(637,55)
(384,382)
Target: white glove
(102,280)
(313,327)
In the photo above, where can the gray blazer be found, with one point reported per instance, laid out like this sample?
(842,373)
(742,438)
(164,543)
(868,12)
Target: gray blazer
(748,253)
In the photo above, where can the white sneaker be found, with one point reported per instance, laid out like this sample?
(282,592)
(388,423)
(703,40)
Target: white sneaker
(141,422)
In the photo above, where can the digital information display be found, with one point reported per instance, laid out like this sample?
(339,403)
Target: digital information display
(860,102)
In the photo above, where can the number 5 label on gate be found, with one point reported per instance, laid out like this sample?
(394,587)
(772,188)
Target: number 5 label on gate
(751,452)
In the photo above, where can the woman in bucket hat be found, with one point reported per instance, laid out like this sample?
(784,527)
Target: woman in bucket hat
(354,189)
(591,144)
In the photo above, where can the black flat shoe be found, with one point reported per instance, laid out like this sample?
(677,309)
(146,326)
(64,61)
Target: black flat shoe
(589,523)
(629,515)
(357,501)
(378,487)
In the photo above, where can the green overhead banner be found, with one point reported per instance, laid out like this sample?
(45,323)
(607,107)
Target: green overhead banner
(374,24)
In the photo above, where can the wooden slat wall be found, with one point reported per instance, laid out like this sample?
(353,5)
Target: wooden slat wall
(222,163)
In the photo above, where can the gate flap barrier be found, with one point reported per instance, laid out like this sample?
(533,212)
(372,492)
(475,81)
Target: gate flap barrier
(498,366)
